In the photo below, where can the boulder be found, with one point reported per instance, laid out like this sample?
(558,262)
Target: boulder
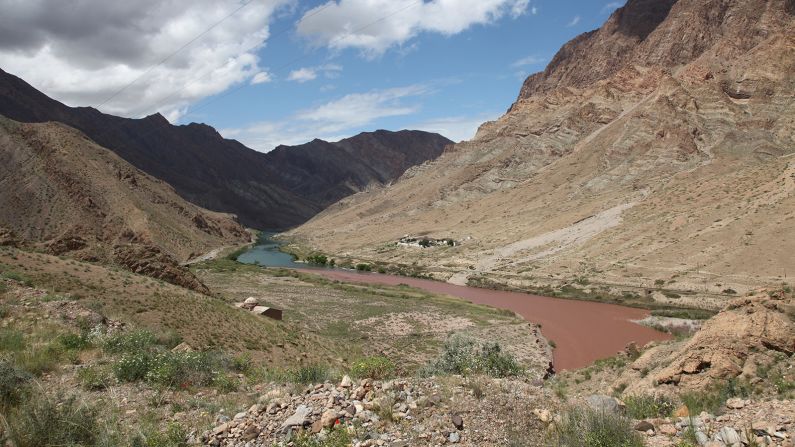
(607,404)
(728,436)
(719,350)
(457,421)
(299,419)
(328,418)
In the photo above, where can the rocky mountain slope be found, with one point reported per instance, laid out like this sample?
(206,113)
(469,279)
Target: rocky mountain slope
(653,152)
(327,172)
(266,191)
(66,195)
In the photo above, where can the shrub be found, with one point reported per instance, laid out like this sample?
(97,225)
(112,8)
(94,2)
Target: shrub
(225,383)
(173,436)
(317,259)
(462,355)
(20,278)
(308,374)
(134,366)
(129,342)
(168,339)
(182,369)
(73,342)
(45,421)
(94,378)
(11,340)
(377,368)
(242,363)
(729,291)
(13,384)
(688,314)
(40,359)
(712,398)
(363,267)
(236,254)
(584,427)
(647,406)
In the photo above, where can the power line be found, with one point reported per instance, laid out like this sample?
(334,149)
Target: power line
(165,59)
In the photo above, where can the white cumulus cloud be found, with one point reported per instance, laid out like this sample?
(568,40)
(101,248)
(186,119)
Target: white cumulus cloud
(456,128)
(332,120)
(262,77)
(83,52)
(374,26)
(305,74)
(302,75)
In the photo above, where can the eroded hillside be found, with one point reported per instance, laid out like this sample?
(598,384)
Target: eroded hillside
(66,195)
(653,152)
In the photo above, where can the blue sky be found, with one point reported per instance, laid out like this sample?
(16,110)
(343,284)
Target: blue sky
(275,72)
(449,83)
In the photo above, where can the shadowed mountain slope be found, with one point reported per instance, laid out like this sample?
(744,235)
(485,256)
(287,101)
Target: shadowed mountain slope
(67,195)
(265,190)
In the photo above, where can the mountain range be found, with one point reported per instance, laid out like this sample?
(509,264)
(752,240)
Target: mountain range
(654,150)
(276,190)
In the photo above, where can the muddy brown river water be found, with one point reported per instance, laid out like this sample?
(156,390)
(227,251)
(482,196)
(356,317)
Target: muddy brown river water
(583,331)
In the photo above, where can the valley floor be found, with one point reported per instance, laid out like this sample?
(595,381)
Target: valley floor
(93,355)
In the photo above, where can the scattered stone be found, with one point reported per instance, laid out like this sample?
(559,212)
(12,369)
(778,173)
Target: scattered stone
(299,418)
(328,418)
(668,430)
(682,412)
(543,415)
(728,436)
(454,437)
(735,403)
(458,421)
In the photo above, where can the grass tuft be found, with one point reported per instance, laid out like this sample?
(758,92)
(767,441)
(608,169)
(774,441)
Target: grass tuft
(584,427)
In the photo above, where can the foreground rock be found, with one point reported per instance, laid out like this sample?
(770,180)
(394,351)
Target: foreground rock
(769,423)
(750,333)
(405,412)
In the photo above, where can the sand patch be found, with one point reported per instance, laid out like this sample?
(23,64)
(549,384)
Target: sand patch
(402,324)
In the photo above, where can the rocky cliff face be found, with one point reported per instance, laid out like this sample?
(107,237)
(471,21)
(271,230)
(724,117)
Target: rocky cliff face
(68,196)
(661,33)
(330,171)
(266,191)
(653,148)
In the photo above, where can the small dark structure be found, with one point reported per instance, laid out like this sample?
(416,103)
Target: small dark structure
(269,312)
(252,305)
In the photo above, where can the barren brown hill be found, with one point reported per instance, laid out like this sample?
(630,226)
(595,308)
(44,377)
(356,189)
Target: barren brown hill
(276,190)
(653,153)
(67,195)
